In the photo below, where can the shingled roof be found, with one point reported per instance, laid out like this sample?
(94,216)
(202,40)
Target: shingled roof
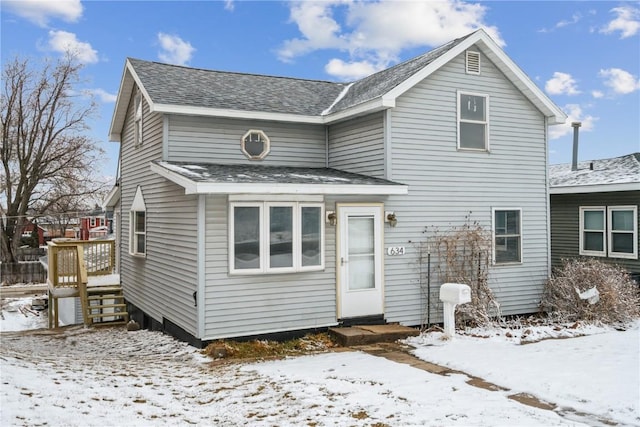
(183,90)
(615,174)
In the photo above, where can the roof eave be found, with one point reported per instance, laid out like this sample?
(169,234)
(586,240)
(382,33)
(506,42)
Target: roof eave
(129,80)
(594,188)
(235,114)
(193,187)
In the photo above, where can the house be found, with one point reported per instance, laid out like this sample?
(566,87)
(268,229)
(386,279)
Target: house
(94,224)
(28,229)
(594,211)
(249,205)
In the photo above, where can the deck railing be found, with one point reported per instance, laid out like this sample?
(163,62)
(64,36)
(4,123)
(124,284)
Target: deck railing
(70,260)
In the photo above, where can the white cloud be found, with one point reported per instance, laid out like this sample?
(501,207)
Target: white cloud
(229,5)
(575,18)
(350,70)
(65,42)
(627,22)
(561,84)
(40,12)
(374,33)
(174,49)
(620,81)
(575,114)
(104,96)
(597,94)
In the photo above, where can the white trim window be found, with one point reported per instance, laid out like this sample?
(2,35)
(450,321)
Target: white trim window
(622,231)
(473,121)
(507,235)
(275,237)
(138,225)
(255,144)
(592,231)
(137,120)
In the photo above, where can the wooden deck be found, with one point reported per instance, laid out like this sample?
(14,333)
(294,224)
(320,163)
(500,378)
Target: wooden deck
(85,269)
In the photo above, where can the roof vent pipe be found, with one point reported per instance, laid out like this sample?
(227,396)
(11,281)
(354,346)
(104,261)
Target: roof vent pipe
(574,161)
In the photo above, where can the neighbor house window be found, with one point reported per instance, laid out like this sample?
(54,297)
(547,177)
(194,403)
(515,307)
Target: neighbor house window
(623,231)
(473,113)
(92,222)
(275,237)
(507,236)
(138,119)
(255,144)
(592,231)
(138,225)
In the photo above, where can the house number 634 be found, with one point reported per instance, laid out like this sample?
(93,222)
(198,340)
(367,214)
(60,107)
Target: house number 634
(395,250)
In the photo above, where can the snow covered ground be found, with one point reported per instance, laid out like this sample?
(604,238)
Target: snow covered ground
(98,377)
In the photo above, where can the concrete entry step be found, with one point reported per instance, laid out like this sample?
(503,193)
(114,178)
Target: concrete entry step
(369,334)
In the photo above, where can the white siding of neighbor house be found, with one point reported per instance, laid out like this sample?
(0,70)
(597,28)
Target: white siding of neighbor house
(239,305)
(217,140)
(357,145)
(162,284)
(446,185)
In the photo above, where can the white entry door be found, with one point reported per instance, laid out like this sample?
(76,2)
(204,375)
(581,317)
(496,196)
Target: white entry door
(360,261)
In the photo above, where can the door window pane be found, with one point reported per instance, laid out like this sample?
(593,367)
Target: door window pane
(246,237)
(280,236)
(361,254)
(311,239)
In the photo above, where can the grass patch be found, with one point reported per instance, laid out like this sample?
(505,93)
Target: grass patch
(263,349)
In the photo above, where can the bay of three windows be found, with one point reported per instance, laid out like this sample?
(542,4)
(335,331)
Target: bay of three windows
(276,237)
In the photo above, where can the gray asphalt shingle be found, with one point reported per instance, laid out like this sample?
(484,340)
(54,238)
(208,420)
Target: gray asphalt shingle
(618,170)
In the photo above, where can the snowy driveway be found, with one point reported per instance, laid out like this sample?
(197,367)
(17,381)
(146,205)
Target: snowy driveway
(103,377)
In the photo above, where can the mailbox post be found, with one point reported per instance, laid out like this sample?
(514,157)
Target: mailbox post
(452,294)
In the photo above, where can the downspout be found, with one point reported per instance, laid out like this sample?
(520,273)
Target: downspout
(326,146)
(548,195)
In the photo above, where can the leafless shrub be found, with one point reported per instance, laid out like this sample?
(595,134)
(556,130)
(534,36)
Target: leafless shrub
(616,300)
(463,256)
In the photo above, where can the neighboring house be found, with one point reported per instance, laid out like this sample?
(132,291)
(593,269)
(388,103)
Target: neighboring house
(94,224)
(252,204)
(27,232)
(594,211)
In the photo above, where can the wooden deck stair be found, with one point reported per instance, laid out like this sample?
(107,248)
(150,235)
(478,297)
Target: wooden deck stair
(105,306)
(85,269)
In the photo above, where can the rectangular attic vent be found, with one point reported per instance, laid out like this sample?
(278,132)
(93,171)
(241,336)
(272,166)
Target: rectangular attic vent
(473,62)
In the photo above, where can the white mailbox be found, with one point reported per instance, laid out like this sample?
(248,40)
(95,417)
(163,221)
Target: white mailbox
(452,294)
(456,293)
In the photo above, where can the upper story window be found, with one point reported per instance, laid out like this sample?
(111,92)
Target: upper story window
(138,119)
(255,144)
(275,237)
(609,231)
(507,236)
(473,121)
(138,225)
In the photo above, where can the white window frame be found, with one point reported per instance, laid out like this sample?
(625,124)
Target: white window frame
(485,122)
(265,140)
(138,205)
(264,233)
(138,119)
(493,236)
(582,251)
(610,232)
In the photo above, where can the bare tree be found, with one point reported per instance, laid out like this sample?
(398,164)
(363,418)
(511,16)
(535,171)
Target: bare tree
(45,155)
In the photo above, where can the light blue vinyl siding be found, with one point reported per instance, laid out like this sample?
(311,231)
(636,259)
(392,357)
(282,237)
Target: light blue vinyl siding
(238,305)
(162,284)
(217,140)
(446,185)
(357,145)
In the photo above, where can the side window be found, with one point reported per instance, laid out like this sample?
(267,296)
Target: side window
(473,122)
(138,119)
(255,144)
(592,231)
(623,232)
(138,225)
(507,236)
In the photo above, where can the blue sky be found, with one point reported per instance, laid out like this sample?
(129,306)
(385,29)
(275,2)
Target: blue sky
(584,55)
